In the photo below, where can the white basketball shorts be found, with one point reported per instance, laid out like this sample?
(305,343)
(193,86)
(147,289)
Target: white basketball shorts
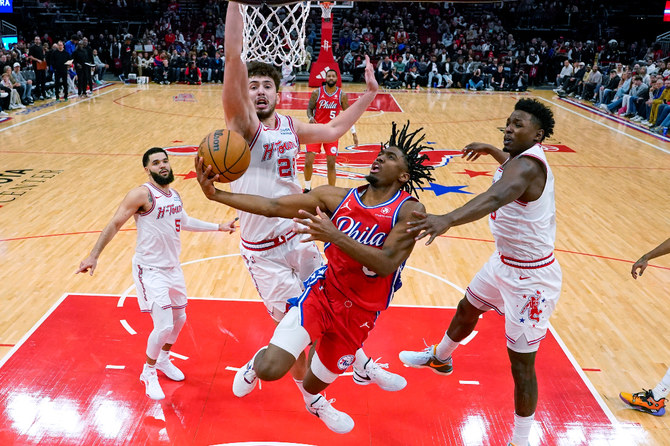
(526,296)
(163,286)
(279,272)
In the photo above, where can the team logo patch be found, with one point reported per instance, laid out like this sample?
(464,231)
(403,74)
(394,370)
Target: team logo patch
(532,306)
(184,97)
(345,361)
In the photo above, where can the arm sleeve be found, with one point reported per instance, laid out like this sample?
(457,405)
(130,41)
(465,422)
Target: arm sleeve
(195,225)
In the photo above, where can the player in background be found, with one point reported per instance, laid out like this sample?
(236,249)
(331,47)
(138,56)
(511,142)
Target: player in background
(367,244)
(161,291)
(324,105)
(272,250)
(650,401)
(521,279)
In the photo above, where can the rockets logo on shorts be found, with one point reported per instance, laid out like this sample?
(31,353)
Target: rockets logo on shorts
(345,361)
(532,306)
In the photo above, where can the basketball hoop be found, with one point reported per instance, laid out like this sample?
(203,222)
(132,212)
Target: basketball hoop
(275,34)
(326,9)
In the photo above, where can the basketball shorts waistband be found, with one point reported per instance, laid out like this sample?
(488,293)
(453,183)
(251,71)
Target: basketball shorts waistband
(264,245)
(528,264)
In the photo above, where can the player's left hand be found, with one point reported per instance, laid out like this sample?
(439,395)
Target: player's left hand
(319,227)
(229,227)
(428,224)
(205,177)
(370,79)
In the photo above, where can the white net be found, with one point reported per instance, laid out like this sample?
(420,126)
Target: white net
(326,9)
(275,34)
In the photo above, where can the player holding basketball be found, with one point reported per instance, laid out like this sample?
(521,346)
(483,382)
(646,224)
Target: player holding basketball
(650,401)
(364,229)
(522,279)
(159,280)
(273,253)
(324,105)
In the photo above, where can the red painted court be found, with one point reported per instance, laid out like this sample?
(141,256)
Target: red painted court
(73,380)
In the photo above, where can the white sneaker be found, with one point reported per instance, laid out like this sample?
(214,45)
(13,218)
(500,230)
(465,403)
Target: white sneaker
(164,364)
(245,379)
(373,372)
(150,380)
(427,358)
(336,421)
(4,113)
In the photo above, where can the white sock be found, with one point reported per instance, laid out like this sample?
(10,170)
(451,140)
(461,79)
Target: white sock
(308,184)
(445,348)
(663,388)
(148,366)
(361,359)
(309,398)
(306,395)
(522,427)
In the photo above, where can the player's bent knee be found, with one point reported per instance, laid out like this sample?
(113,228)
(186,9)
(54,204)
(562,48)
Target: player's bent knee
(321,371)
(274,363)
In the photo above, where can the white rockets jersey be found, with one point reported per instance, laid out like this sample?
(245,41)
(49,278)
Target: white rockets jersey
(158,242)
(526,231)
(271,173)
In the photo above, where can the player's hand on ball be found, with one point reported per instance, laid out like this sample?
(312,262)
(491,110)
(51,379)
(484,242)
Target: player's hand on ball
(205,177)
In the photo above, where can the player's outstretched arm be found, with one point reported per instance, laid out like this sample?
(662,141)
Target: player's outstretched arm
(240,113)
(476,149)
(516,178)
(396,249)
(135,200)
(643,262)
(314,133)
(288,206)
(345,105)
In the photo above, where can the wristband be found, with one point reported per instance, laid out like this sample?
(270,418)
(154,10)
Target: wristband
(353,129)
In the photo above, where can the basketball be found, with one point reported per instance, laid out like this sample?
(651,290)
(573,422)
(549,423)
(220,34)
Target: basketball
(227,152)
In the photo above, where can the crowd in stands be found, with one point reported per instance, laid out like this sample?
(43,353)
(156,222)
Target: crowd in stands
(427,45)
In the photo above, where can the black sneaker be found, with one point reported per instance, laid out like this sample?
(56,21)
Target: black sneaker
(306,191)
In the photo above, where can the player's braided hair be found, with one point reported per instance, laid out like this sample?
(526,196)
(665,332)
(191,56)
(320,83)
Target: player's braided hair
(410,145)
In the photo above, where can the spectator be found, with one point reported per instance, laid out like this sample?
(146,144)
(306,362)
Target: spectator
(26,84)
(217,68)
(36,55)
(566,72)
(193,74)
(384,68)
(476,82)
(589,87)
(607,88)
(520,81)
(60,59)
(499,81)
(14,96)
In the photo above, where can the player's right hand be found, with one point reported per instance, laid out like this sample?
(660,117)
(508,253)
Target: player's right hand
(474,150)
(205,177)
(641,265)
(87,265)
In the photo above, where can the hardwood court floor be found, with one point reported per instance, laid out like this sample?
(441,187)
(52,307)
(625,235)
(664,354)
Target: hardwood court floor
(65,168)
